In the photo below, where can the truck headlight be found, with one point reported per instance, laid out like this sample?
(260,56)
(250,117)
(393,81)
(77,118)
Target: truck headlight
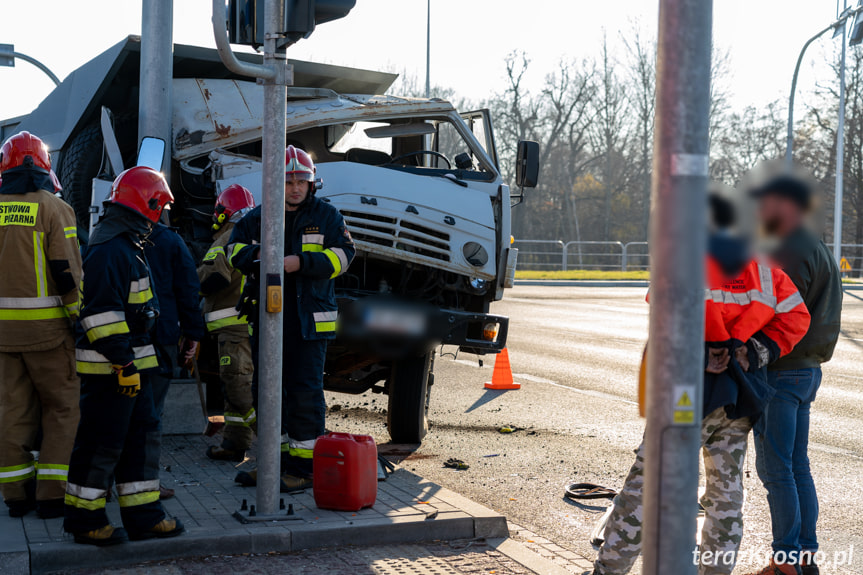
(475,254)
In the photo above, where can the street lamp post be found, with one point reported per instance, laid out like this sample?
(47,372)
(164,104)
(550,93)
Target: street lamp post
(8,56)
(428,48)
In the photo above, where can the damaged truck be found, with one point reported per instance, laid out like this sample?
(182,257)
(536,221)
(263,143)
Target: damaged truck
(417,181)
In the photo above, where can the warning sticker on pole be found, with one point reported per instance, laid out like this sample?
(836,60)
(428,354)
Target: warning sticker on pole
(683,407)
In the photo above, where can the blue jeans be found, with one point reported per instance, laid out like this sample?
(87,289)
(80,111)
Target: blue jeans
(782,462)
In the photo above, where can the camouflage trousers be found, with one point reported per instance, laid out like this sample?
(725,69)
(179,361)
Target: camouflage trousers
(723,447)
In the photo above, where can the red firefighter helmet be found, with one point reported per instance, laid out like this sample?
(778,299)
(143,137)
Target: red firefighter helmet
(235,200)
(299,164)
(143,190)
(18,148)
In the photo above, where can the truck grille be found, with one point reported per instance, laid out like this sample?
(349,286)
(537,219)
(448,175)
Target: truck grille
(393,233)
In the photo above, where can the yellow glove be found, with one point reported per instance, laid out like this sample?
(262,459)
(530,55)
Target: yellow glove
(128,385)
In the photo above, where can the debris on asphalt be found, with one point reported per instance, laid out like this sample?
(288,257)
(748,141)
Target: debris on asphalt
(506,429)
(457,464)
(492,455)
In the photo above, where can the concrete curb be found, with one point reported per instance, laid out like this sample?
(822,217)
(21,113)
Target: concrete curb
(527,558)
(457,518)
(585,283)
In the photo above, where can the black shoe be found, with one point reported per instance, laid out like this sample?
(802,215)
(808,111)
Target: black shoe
(167,527)
(809,568)
(21,507)
(103,537)
(50,508)
(222,454)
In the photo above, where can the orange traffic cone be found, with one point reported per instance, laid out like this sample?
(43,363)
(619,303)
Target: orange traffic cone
(501,378)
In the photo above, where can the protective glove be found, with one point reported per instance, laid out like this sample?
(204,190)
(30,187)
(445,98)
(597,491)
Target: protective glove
(128,379)
(248,304)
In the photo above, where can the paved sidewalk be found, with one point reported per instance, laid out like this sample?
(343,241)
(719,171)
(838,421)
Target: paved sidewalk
(409,509)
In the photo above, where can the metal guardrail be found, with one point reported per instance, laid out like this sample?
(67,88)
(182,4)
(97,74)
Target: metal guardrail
(554,255)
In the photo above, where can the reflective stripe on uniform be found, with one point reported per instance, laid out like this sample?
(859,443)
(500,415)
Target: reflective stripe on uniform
(104,324)
(740,298)
(91,362)
(70,232)
(89,498)
(213,253)
(243,420)
(15,473)
(138,492)
(313,243)
(51,471)
(789,303)
(139,291)
(31,308)
(39,263)
(339,260)
(325,320)
(302,449)
(235,250)
(223,318)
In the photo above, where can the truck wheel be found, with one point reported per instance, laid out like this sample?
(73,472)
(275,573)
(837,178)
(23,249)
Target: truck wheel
(79,165)
(409,390)
(82,159)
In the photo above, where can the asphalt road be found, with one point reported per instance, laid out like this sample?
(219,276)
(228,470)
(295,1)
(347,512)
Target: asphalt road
(576,353)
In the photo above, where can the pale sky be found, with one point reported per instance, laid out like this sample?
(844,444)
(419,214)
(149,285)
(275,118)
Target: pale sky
(470,39)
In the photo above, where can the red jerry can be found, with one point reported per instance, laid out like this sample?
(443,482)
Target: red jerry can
(345,472)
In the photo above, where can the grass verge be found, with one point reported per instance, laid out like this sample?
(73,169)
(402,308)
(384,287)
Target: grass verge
(582,275)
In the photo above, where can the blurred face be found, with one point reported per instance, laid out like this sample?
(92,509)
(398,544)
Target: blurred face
(296,191)
(779,215)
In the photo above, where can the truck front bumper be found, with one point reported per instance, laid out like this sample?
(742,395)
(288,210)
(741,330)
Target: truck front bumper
(395,328)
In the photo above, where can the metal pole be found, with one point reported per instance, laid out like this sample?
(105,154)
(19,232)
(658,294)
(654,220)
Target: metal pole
(789,145)
(155,106)
(34,61)
(428,49)
(675,358)
(270,334)
(840,159)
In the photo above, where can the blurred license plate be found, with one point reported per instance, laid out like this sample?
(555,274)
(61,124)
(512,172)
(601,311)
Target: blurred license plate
(396,321)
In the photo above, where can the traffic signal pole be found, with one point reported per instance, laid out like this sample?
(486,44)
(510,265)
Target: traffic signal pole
(155,105)
(275,75)
(677,248)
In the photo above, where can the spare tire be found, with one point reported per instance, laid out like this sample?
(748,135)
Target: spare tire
(79,165)
(82,160)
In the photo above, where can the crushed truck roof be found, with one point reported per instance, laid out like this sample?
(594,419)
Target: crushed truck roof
(111,79)
(211,114)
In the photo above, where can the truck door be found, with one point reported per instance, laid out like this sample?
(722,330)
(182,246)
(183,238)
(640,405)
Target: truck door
(479,123)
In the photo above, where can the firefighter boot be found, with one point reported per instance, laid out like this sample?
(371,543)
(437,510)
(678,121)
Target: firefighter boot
(167,527)
(102,537)
(219,453)
(288,484)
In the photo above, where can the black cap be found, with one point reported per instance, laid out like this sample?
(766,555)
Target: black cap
(789,187)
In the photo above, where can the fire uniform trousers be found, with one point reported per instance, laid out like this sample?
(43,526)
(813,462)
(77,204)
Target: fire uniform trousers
(40,267)
(762,308)
(118,436)
(221,286)
(317,233)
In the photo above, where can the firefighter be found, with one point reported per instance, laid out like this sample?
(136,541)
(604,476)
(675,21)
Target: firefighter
(222,286)
(318,248)
(753,315)
(41,268)
(118,438)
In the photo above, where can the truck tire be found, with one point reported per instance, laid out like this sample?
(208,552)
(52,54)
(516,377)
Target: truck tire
(79,165)
(409,391)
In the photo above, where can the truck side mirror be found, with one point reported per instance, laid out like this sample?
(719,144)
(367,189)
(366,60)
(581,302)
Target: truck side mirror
(152,153)
(527,164)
